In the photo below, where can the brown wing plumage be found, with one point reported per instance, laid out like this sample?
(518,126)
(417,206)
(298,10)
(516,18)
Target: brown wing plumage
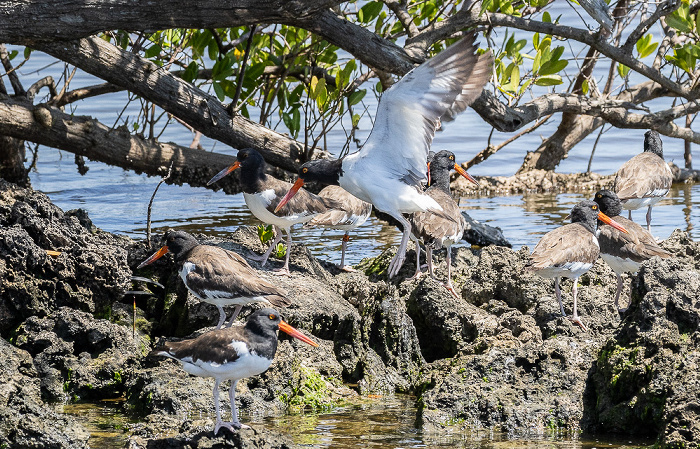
(637,245)
(432,228)
(214,346)
(564,245)
(350,208)
(641,176)
(303,203)
(221,270)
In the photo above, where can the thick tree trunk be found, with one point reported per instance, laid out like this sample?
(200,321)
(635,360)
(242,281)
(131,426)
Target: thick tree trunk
(12,157)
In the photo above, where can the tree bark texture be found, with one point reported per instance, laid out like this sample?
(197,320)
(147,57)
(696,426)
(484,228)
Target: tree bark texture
(85,136)
(12,155)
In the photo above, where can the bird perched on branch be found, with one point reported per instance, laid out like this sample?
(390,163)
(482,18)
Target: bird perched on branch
(232,354)
(218,276)
(390,167)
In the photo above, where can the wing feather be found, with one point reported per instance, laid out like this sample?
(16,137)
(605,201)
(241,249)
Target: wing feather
(645,175)
(564,245)
(409,112)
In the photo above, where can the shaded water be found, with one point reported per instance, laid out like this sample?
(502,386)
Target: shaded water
(379,423)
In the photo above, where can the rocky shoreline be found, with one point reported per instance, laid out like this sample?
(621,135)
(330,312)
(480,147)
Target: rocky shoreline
(498,357)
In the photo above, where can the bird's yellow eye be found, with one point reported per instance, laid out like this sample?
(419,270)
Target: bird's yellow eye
(271,316)
(304,170)
(452,158)
(594,207)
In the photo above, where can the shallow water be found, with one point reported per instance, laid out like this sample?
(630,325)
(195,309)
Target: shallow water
(117,201)
(380,423)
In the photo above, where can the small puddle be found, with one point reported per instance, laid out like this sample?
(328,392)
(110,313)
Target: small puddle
(108,426)
(383,423)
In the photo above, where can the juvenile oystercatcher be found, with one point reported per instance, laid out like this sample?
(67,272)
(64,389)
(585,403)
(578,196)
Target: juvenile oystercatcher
(433,230)
(624,252)
(263,192)
(645,179)
(232,354)
(218,276)
(390,167)
(570,250)
(353,212)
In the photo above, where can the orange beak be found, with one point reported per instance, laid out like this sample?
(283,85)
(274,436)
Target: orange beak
(462,172)
(293,191)
(284,327)
(609,221)
(157,255)
(224,172)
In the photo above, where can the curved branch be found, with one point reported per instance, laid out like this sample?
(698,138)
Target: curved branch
(470,17)
(194,106)
(85,136)
(27,22)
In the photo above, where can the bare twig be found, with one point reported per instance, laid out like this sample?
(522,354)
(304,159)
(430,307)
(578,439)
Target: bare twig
(595,145)
(490,150)
(150,205)
(233,107)
(14,79)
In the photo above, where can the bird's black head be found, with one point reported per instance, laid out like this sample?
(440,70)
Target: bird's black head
(441,164)
(264,324)
(264,321)
(608,202)
(178,242)
(586,213)
(653,144)
(250,159)
(324,171)
(252,169)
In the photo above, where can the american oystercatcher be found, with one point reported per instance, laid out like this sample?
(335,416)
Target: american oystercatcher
(390,167)
(570,250)
(218,276)
(433,230)
(263,192)
(353,212)
(645,179)
(624,252)
(232,354)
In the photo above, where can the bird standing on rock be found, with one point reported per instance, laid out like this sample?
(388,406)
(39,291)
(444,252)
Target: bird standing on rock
(263,192)
(353,212)
(390,167)
(217,276)
(624,252)
(645,179)
(434,230)
(232,354)
(570,250)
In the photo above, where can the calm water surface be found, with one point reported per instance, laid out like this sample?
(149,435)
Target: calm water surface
(378,423)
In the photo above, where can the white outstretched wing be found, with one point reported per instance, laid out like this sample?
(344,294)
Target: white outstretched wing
(410,111)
